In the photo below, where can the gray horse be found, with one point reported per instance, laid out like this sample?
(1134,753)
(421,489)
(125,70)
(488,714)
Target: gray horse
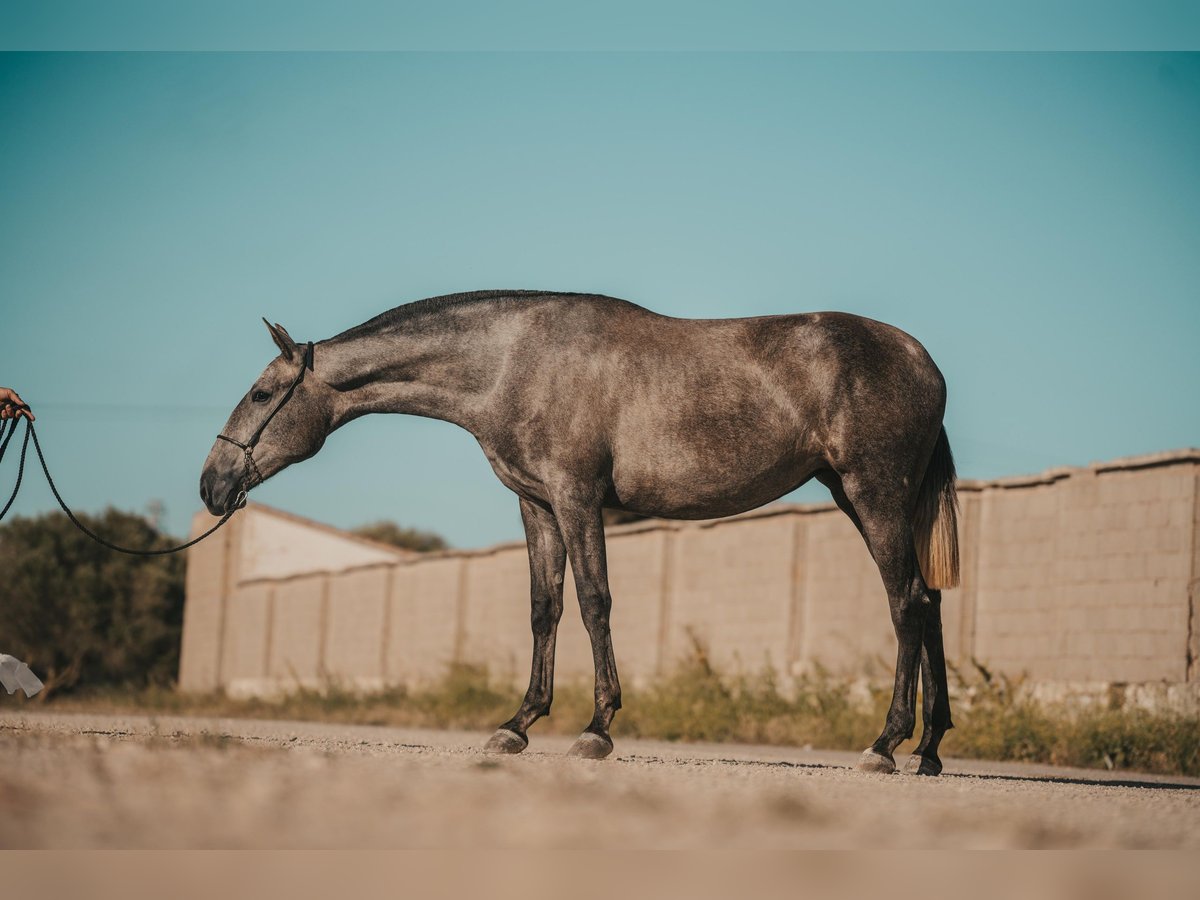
(583,402)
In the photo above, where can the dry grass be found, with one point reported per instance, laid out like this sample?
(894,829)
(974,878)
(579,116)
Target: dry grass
(698,703)
(998,720)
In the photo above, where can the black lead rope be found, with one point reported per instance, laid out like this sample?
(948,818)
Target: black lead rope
(31,431)
(250,477)
(12,429)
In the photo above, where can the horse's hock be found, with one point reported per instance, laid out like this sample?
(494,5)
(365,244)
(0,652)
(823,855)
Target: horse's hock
(1082,579)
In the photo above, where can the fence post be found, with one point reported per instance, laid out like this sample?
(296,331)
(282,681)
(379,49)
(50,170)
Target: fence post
(229,577)
(666,586)
(798,606)
(969,552)
(386,628)
(1193,644)
(323,627)
(460,611)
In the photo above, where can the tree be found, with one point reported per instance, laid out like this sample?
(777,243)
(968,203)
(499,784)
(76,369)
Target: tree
(82,615)
(409,538)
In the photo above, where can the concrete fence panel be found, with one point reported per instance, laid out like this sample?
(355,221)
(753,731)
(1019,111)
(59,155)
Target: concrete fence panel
(206,587)
(640,579)
(495,615)
(247,633)
(732,593)
(298,614)
(422,632)
(846,627)
(358,607)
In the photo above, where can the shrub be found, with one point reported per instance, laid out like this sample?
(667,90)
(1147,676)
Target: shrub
(80,614)
(386,532)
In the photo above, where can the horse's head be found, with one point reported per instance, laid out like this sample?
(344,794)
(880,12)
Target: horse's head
(283,419)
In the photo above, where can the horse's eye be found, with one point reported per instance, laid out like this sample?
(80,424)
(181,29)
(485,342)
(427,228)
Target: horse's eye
(261,397)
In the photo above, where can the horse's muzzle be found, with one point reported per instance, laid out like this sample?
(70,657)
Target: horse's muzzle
(221,493)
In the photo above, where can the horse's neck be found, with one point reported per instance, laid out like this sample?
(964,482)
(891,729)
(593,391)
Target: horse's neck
(437,373)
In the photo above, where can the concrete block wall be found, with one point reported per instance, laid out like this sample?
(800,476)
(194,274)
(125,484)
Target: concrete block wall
(845,626)
(422,637)
(357,612)
(1076,576)
(299,611)
(732,589)
(1089,575)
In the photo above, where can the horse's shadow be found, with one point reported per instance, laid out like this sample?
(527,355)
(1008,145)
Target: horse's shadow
(989,776)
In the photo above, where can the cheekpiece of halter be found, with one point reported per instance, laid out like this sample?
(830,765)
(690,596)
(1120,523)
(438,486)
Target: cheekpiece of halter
(252,476)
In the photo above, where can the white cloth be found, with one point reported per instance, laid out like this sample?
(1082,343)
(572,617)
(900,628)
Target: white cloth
(15,674)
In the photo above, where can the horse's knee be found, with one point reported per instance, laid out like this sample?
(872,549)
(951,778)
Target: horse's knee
(543,623)
(595,609)
(545,614)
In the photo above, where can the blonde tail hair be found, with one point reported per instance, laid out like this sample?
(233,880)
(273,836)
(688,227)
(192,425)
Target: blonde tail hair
(935,524)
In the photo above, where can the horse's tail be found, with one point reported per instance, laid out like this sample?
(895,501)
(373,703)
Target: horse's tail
(935,524)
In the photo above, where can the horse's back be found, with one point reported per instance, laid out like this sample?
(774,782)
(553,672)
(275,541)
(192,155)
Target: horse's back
(713,417)
(819,358)
(834,341)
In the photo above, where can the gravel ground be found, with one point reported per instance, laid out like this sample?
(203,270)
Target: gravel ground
(80,781)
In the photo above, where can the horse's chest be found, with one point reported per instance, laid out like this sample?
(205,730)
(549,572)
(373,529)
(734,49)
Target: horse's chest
(514,472)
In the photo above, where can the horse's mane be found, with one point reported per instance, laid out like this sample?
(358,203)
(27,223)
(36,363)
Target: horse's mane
(397,316)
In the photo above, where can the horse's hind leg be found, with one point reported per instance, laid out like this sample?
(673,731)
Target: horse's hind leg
(936,700)
(547,562)
(885,516)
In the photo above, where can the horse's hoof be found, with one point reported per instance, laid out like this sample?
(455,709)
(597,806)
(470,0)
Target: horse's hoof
(873,761)
(591,746)
(922,765)
(505,741)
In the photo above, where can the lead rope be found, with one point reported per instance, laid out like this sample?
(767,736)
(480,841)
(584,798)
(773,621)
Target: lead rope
(31,431)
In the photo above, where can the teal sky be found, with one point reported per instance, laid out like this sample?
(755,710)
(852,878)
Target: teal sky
(469,25)
(1034,219)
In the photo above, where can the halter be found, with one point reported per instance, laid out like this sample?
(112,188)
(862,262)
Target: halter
(252,476)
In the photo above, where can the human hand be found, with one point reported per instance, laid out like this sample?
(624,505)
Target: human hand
(12,406)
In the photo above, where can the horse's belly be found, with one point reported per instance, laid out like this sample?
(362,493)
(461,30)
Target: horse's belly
(688,485)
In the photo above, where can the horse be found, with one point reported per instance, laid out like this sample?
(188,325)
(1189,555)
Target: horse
(583,402)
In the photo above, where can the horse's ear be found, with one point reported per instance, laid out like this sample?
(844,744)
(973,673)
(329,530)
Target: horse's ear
(295,346)
(282,340)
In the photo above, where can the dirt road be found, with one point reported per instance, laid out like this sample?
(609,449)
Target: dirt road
(127,781)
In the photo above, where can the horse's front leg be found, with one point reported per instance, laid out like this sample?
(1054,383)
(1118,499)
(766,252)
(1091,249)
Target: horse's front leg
(580,520)
(547,562)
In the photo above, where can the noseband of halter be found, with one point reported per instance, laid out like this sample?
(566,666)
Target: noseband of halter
(252,476)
